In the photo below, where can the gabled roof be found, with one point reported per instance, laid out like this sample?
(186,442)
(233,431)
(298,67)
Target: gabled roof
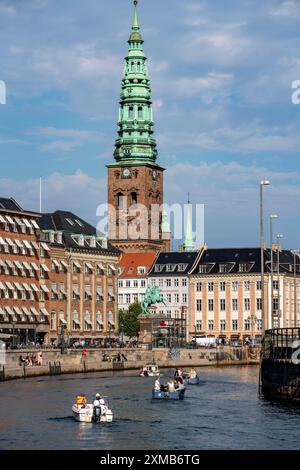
(174,259)
(130,262)
(71,225)
(10,204)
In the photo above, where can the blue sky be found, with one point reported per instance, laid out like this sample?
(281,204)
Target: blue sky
(221,76)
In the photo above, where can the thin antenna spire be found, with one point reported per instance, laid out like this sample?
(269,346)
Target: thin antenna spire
(40,195)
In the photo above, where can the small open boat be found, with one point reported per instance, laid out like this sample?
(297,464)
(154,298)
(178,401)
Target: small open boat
(161,395)
(189,381)
(150,370)
(86,414)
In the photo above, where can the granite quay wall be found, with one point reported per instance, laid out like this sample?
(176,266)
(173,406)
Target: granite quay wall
(72,361)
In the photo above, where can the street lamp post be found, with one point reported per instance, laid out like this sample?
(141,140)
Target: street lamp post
(279,237)
(263,183)
(296,252)
(272,217)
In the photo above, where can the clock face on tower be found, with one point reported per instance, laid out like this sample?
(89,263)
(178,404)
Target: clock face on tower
(126,173)
(154,174)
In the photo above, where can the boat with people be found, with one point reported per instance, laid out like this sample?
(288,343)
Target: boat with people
(191,378)
(150,370)
(96,412)
(171,391)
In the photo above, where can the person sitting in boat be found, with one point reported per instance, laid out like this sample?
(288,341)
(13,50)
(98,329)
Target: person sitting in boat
(81,401)
(97,411)
(177,374)
(192,374)
(145,371)
(170,385)
(157,385)
(103,406)
(179,383)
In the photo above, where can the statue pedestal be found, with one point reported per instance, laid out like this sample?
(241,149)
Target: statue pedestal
(147,325)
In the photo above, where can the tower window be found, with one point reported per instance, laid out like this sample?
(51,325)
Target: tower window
(138,68)
(131,112)
(133,199)
(132,66)
(120,201)
(140,112)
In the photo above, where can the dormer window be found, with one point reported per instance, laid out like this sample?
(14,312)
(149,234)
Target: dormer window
(158,268)
(203,268)
(59,237)
(142,270)
(93,242)
(182,267)
(51,237)
(81,240)
(170,267)
(243,267)
(70,221)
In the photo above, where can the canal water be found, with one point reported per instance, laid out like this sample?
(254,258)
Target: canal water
(224,412)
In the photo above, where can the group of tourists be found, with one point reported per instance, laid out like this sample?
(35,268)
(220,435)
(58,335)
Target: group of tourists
(171,386)
(31,359)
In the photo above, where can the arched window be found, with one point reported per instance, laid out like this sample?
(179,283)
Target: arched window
(120,201)
(131,111)
(132,66)
(138,68)
(140,111)
(134,199)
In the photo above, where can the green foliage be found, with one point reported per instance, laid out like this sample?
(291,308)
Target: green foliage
(128,320)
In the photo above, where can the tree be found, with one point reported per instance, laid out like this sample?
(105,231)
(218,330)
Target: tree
(128,320)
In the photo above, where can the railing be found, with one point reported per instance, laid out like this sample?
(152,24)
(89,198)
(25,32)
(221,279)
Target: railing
(280,343)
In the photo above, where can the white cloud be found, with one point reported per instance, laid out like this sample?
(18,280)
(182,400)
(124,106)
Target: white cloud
(288,8)
(68,139)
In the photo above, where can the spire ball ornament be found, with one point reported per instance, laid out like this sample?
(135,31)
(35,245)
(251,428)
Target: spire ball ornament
(135,3)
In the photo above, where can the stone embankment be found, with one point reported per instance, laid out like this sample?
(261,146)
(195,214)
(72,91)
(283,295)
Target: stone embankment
(54,363)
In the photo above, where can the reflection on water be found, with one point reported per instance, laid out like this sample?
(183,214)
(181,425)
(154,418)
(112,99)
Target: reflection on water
(224,412)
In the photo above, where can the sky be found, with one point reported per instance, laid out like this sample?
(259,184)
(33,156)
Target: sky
(221,75)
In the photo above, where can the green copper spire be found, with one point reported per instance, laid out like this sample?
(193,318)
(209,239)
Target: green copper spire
(189,244)
(135,143)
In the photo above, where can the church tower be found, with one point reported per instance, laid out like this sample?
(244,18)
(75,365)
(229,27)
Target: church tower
(135,180)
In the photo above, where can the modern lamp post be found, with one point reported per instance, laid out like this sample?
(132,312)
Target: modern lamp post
(296,253)
(272,217)
(279,237)
(263,183)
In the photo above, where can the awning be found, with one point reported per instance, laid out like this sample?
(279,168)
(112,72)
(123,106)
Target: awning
(77,264)
(27,223)
(88,322)
(99,265)
(17,310)
(45,246)
(62,290)
(35,267)
(2,286)
(18,243)
(64,264)
(9,311)
(54,289)
(75,290)
(35,225)
(27,244)
(34,311)
(27,266)
(9,286)
(2,242)
(25,311)
(9,219)
(56,263)
(112,267)
(9,263)
(34,288)
(89,266)
(35,245)
(63,321)
(18,286)
(19,222)
(10,242)
(44,312)
(18,265)
(44,288)
(2,219)
(26,287)
(77,322)
(2,263)
(45,268)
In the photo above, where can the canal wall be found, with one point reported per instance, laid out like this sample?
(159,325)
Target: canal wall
(280,379)
(54,363)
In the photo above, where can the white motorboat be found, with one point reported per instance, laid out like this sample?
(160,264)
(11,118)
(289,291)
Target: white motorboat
(150,370)
(86,414)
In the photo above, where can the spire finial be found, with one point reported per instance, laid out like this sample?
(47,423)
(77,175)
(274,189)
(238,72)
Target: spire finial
(189,201)
(135,25)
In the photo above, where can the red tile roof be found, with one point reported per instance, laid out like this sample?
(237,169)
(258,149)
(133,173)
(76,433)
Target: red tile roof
(130,262)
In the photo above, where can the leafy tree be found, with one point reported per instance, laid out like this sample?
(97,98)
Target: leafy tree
(128,320)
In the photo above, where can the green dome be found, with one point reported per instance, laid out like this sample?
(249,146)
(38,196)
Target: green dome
(135,37)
